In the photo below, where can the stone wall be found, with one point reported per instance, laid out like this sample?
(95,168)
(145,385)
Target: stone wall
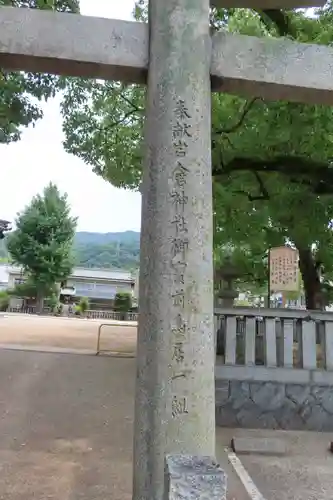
(274,405)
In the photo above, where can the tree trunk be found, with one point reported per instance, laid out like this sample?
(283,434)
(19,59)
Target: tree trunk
(39,302)
(311,279)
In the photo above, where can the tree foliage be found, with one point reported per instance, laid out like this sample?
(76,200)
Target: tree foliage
(29,290)
(84,305)
(21,91)
(123,302)
(272,169)
(43,239)
(4,300)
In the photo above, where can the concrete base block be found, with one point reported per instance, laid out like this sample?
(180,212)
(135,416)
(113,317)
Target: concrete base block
(261,446)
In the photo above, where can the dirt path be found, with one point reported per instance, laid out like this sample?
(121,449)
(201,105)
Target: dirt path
(66,426)
(66,333)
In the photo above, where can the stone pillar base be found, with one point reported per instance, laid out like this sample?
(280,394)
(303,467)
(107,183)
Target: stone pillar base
(194,478)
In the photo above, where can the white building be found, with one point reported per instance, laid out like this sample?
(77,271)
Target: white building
(100,286)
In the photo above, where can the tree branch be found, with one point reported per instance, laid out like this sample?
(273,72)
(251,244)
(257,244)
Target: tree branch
(280,19)
(318,176)
(283,164)
(121,120)
(106,128)
(247,107)
(134,106)
(263,193)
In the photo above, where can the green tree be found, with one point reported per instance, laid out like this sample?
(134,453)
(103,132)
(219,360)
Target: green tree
(123,303)
(42,242)
(272,170)
(21,91)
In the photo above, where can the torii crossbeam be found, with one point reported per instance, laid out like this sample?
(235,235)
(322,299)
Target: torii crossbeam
(181,64)
(59,43)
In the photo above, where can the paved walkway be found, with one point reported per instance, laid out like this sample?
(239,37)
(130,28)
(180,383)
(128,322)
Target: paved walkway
(68,419)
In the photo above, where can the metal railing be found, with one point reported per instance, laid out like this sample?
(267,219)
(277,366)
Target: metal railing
(99,332)
(90,314)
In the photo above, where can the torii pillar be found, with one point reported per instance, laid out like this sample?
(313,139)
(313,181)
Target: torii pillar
(175,410)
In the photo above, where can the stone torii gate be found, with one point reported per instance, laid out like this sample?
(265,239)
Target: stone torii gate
(181,63)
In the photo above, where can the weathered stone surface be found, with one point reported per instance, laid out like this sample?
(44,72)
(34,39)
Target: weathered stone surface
(194,478)
(52,42)
(261,446)
(274,69)
(239,392)
(298,393)
(247,416)
(222,393)
(324,397)
(287,416)
(276,406)
(73,45)
(174,410)
(226,417)
(267,421)
(268,396)
(318,419)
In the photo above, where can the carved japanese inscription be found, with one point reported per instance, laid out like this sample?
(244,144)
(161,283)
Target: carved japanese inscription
(181,135)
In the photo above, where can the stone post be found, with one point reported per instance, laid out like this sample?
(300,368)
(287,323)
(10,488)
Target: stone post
(225,297)
(175,407)
(225,275)
(194,478)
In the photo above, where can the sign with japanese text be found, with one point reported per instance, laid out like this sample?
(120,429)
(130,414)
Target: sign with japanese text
(284,273)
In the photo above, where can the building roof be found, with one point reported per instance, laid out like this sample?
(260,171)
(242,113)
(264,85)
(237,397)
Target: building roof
(78,272)
(106,274)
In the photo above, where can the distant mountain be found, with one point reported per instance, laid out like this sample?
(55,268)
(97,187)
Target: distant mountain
(83,237)
(117,250)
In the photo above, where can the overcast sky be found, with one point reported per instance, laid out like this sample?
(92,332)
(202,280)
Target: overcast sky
(27,166)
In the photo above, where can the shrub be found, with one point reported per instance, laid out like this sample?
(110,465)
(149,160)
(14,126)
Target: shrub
(53,303)
(84,305)
(4,300)
(77,310)
(123,303)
